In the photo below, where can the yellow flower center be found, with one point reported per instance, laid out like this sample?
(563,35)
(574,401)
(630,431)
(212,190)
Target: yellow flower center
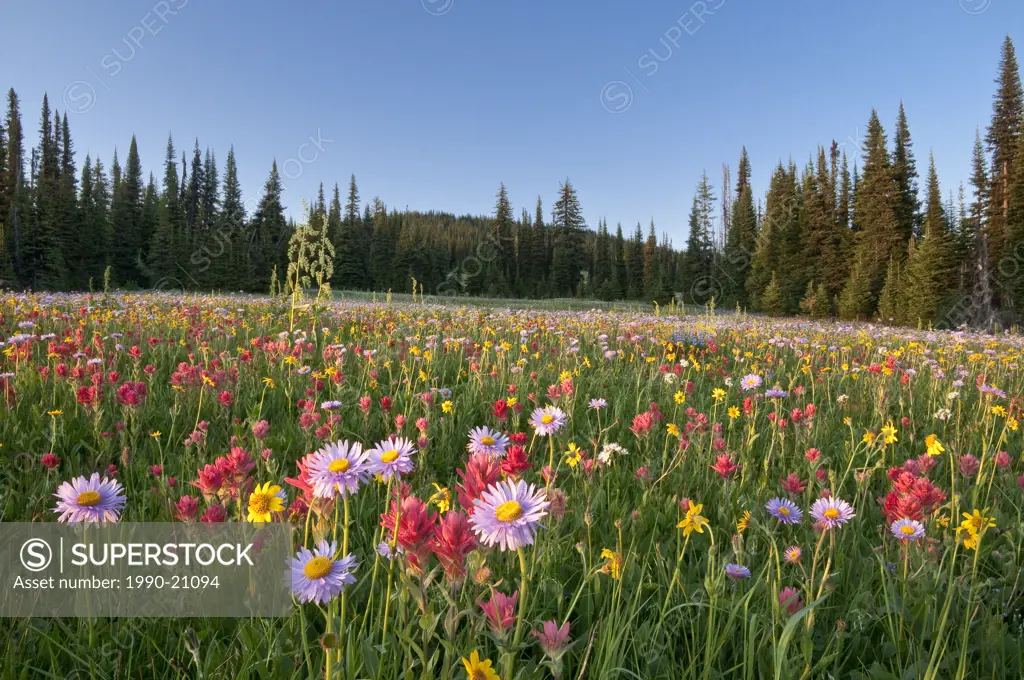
(339,465)
(547,419)
(389,456)
(784,511)
(89,498)
(509,511)
(477,674)
(318,567)
(259,503)
(487,441)
(832,513)
(907,529)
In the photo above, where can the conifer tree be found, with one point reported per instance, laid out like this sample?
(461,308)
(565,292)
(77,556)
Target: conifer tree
(232,231)
(1004,139)
(891,309)
(930,272)
(126,220)
(771,299)
(978,309)
(904,172)
(875,213)
(567,226)
(741,238)
(269,234)
(167,238)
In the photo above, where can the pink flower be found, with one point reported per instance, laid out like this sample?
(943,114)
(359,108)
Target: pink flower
(187,508)
(213,514)
(1002,460)
(643,423)
(49,461)
(812,455)
(724,466)
(969,465)
(793,485)
(789,599)
(553,638)
(260,429)
(500,610)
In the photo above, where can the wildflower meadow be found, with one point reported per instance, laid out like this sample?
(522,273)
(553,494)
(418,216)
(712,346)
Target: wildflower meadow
(493,492)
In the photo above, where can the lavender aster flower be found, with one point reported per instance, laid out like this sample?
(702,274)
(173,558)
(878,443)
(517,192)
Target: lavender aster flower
(548,420)
(392,457)
(330,405)
(317,576)
(776,394)
(907,529)
(784,510)
(750,382)
(832,512)
(508,513)
(90,500)
(338,469)
(484,440)
(598,403)
(736,571)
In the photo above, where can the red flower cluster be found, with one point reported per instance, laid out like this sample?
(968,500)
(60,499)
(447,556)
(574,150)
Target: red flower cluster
(913,496)
(227,478)
(480,473)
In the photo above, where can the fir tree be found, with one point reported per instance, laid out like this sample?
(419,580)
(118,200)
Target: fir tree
(568,259)
(930,273)
(875,212)
(904,172)
(269,234)
(167,238)
(126,220)
(771,299)
(1003,138)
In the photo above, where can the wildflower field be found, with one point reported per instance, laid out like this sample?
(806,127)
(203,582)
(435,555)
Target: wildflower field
(492,492)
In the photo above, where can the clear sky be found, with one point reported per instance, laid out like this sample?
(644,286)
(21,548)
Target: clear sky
(432,103)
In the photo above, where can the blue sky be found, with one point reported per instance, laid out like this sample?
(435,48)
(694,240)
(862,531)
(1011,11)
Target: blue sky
(432,103)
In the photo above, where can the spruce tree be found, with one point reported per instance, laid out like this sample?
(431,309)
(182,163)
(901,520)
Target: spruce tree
(771,299)
(167,238)
(269,233)
(904,171)
(350,262)
(126,220)
(568,259)
(875,212)
(978,310)
(1004,139)
(930,273)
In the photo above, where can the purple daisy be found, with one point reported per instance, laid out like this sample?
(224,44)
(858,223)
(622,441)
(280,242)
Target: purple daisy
(750,382)
(484,440)
(784,510)
(338,469)
(392,457)
(548,420)
(907,529)
(776,394)
(90,500)
(736,571)
(508,513)
(598,403)
(832,512)
(317,576)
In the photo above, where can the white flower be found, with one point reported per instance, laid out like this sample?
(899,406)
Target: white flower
(608,451)
(943,414)
(670,378)
(952,395)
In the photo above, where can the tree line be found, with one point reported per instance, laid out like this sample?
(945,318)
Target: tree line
(837,237)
